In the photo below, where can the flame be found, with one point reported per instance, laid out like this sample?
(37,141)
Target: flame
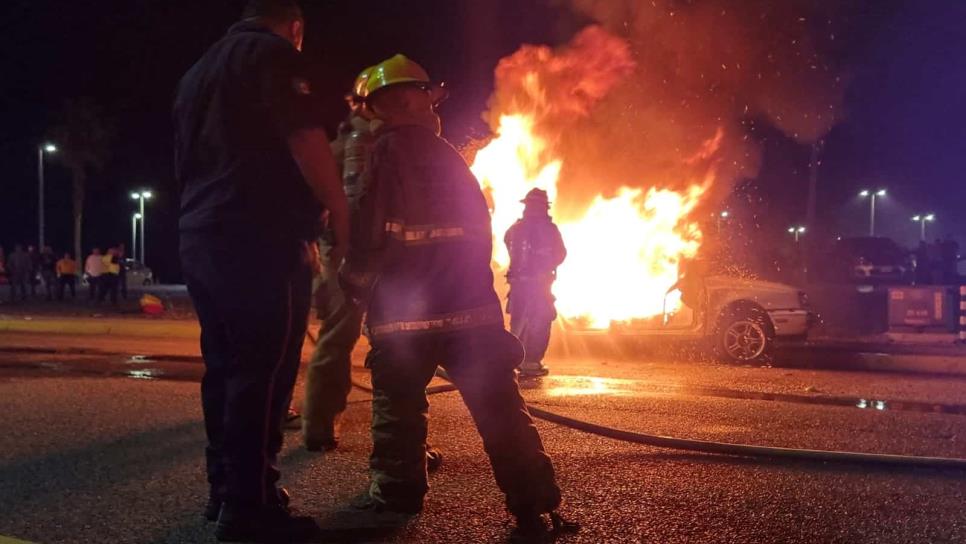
(624,254)
(624,249)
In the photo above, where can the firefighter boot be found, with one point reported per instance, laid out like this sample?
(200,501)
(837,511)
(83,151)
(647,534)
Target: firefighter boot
(326,437)
(533,369)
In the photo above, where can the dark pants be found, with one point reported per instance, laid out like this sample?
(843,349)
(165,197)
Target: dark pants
(328,377)
(18,283)
(481,364)
(122,282)
(50,283)
(107,287)
(253,308)
(93,284)
(65,281)
(531,317)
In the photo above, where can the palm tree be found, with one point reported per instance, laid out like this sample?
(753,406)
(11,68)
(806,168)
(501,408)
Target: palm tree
(84,137)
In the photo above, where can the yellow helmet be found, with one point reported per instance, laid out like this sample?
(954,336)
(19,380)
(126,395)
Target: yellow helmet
(400,69)
(393,71)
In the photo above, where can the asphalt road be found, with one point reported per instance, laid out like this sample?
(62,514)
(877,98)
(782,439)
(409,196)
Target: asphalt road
(108,448)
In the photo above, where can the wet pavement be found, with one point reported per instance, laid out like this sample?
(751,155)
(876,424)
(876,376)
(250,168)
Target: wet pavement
(101,447)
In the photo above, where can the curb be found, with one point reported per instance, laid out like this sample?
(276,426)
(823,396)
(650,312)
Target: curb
(828,356)
(923,364)
(115,327)
(824,356)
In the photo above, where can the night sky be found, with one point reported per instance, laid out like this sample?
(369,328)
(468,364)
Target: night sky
(903,128)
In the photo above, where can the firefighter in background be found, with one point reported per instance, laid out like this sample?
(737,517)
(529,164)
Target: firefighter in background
(419,261)
(328,377)
(536,250)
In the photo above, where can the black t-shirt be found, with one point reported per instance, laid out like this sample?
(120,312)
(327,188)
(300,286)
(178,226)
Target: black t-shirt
(233,113)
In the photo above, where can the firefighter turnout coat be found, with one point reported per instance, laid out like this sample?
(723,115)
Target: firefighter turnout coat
(422,243)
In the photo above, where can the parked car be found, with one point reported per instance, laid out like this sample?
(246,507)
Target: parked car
(138,273)
(869,260)
(739,319)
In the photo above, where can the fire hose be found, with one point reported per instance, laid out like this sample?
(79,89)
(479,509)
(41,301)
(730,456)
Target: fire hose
(720,448)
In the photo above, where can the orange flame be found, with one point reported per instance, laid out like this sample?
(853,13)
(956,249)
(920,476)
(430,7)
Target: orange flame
(623,250)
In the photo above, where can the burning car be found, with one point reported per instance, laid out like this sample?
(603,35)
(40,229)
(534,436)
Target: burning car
(743,319)
(738,319)
(629,172)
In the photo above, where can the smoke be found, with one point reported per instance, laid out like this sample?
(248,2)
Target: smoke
(640,97)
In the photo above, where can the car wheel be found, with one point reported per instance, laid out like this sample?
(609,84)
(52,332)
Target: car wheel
(745,338)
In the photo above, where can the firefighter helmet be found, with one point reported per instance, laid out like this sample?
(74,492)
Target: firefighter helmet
(398,70)
(536,196)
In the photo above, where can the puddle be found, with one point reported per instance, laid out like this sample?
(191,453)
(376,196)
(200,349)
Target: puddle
(105,368)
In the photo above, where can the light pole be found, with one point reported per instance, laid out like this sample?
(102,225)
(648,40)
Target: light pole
(923,219)
(864,193)
(134,234)
(141,196)
(797,231)
(41,149)
(722,216)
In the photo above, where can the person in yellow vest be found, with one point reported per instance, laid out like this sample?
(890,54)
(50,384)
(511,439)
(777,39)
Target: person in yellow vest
(109,280)
(66,276)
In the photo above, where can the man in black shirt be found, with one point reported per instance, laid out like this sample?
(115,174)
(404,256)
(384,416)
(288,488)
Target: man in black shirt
(255,169)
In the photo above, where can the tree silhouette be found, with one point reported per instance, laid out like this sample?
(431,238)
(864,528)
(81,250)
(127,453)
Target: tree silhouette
(84,138)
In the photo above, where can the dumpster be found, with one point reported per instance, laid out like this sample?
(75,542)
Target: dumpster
(929,308)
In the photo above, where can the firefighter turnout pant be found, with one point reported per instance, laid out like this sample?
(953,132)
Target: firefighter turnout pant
(480,362)
(253,321)
(328,377)
(531,316)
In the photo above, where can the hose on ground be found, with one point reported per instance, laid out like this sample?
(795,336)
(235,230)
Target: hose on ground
(721,448)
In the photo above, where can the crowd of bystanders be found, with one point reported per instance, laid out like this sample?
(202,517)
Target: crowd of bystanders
(31,274)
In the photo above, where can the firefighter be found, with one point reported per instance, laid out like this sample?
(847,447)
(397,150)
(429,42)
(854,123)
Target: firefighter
(255,170)
(419,261)
(327,380)
(536,250)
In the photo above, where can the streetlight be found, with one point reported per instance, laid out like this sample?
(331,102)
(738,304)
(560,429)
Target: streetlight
(797,230)
(141,196)
(41,149)
(134,234)
(923,219)
(872,195)
(719,217)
